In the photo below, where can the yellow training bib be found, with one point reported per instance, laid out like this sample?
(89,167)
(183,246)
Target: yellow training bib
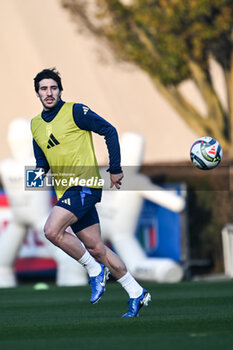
(68,149)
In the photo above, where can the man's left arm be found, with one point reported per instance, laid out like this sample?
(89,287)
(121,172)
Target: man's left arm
(88,120)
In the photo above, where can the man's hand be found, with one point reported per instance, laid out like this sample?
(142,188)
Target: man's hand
(116,180)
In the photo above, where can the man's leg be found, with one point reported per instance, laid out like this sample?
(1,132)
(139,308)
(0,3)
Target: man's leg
(91,238)
(55,231)
(138,296)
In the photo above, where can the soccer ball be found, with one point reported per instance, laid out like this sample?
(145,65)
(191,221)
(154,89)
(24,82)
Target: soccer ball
(206,153)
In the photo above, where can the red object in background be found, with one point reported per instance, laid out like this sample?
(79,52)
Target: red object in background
(153,237)
(25,265)
(3,200)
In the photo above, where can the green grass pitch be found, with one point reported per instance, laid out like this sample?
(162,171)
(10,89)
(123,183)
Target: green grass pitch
(187,315)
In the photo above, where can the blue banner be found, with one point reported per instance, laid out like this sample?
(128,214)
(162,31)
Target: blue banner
(159,231)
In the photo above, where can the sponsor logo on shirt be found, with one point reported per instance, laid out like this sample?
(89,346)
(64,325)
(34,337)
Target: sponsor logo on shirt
(52,142)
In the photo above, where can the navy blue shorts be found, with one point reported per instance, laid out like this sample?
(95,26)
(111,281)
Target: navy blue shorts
(81,201)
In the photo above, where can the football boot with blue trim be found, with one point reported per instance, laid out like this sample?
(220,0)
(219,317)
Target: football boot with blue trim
(98,284)
(135,304)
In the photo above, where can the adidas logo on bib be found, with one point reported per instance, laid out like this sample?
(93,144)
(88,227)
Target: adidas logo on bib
(52,141)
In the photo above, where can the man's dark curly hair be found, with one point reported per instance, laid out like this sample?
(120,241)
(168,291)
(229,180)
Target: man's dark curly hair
(48,74)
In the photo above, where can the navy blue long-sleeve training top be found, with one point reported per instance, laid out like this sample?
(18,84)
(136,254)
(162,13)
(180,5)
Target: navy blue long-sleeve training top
(88,120)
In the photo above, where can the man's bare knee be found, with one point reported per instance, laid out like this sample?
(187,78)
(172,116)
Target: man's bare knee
(51,234)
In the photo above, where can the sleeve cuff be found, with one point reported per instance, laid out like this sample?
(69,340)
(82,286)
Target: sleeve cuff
(114,170)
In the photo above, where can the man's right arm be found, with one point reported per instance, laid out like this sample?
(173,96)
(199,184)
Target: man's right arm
(41,161)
